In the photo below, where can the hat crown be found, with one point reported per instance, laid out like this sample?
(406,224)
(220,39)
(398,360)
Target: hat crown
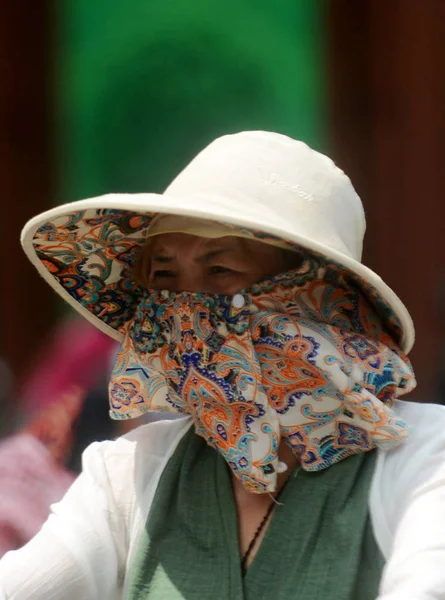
(281,179)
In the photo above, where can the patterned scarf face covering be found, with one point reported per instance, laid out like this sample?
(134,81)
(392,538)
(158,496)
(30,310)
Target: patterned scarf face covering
(300,357)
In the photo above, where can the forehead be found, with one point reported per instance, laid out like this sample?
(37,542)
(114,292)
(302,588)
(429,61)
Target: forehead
(168,244)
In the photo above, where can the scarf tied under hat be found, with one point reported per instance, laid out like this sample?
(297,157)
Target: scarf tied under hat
(300,357)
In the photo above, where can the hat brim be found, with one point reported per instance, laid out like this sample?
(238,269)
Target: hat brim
(47,249)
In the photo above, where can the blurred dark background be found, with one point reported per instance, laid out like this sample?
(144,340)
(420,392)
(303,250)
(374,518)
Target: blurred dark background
(103,96)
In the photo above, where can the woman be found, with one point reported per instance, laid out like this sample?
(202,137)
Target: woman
(240,301)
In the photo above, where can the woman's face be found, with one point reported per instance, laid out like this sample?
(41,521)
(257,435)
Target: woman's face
(226,265)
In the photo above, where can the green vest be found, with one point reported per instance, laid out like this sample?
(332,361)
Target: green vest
(319,544)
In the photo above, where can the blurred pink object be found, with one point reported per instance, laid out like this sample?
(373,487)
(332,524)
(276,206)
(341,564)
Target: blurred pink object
(30,480)
(77,354)
(53,425)
(32,475)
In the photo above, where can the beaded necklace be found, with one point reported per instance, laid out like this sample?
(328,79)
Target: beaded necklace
(261,526)
(259,530)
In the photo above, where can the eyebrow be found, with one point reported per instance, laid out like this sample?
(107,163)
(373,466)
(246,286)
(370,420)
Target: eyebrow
(162,259)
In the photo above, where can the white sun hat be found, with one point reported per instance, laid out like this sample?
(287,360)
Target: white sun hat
(268,185)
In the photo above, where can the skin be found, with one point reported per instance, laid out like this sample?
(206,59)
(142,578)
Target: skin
(226,265)
(183,262)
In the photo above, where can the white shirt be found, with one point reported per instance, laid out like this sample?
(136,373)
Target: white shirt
(85,548)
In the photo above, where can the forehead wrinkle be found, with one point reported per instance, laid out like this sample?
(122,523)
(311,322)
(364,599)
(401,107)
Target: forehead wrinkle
(172,247)
(160,251)
(211,254)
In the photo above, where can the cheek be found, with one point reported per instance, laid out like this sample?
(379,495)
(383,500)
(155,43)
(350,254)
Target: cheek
(236,283)
(269,266)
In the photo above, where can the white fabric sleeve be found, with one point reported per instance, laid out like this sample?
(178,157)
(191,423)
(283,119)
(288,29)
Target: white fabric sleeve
(83,550)
(416,511)
(80,550)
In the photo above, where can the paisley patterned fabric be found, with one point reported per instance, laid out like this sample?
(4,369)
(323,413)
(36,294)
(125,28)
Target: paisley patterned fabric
(300,357)
(91,254)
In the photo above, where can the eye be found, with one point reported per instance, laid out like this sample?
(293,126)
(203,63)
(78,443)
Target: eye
(162,274)
(219,270)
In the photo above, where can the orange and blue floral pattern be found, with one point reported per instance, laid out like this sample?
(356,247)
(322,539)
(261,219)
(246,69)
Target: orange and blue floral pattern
(305,359)
(91,253)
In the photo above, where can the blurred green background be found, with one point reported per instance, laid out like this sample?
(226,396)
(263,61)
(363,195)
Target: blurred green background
(144,85)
